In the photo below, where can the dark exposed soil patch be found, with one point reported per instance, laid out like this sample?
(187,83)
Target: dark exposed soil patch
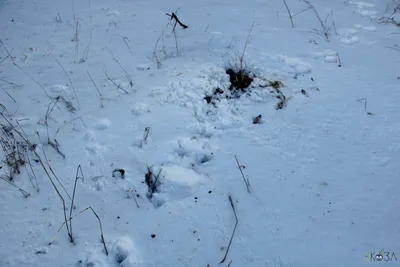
(239,80)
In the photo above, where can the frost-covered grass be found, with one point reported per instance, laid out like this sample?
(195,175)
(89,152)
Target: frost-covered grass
(127,140)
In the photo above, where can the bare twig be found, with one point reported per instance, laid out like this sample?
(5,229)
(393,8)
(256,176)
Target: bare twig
(126,73)
(23,192)
(69,78)
(101,231)
(234,229)
(100,225)
(156,45)
(126,39)
(44,90)
(246,181)
(365,102)
(59,195)
(338,59)
(395,47)
(146,134)
(10,83)
(323,26)
(73,195)
(67,123)
(7,94)
(290,14)
(241,58)
(97,89)
(34,175)
(8,52)
(173,16)
(76,40)
(111,80)
(58,180)
(86,51)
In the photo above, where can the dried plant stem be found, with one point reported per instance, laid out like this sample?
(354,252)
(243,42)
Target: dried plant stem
(69,78)
(234,229)
(290,14)
(97,89)
(246,181)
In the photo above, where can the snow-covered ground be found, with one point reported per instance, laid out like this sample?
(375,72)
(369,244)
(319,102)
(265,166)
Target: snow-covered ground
(323,171)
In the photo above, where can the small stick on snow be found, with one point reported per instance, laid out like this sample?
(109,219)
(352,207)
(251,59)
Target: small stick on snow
(126,39)
(146,134)
(365,102)
(338,59)
(234,230)
(173,16)
(246,181)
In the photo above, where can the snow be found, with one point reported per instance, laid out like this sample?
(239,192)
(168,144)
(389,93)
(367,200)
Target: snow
(323,170)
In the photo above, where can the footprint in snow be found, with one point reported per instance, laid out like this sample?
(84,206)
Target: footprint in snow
(328,56)
(176,183)
(122,252)
(192,152)
(365,28)
(294,66)
(363,9)
(97,124)
(348,36)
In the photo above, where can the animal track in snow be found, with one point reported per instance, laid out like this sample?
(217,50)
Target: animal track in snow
(362,9)
(176,183)
(348,36)
(328,56)
(122,253)
(362,4)
(365,28)
(294,65)
(98,124)
(193,151)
